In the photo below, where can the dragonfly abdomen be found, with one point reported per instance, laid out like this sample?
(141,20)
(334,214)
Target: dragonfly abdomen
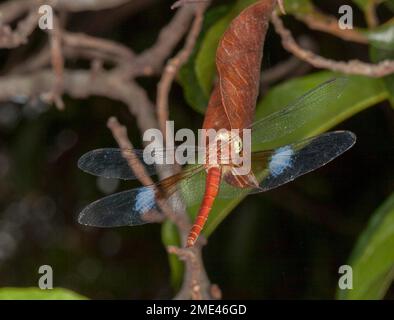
(211,191)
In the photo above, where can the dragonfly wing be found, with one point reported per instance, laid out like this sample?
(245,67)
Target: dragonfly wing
(276,167)
(113,163)
(145,204)
(276,126)
(116,163)
(291,161)
(127,208)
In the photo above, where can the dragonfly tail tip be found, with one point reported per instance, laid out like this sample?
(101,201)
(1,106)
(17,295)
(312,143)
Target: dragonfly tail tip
(189,243)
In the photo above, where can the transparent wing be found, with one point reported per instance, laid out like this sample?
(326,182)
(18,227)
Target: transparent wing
(289,162)
(112,163)
(127,208)
(145,204)
(272,168)
(115,163)
(297,114)
(277,167)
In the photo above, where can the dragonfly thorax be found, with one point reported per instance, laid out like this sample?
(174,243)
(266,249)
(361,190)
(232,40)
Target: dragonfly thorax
(224,148)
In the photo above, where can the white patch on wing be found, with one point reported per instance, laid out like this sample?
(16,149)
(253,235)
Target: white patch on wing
(144,200)
(281,160)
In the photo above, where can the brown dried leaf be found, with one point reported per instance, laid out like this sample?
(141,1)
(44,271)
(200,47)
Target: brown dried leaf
(238,61)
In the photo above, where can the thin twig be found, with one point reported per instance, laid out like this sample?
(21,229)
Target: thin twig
(11,10)
(119,132)
(117,51)
(11,39)
(381,69)
(83,5)
(38,61)
(173,65)
(151,60)
(80,46)
(57,61)
(370,14)
(329,24)
(180,3)
(196,284)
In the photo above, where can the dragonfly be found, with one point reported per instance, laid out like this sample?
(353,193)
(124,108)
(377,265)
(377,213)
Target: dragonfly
(202,184)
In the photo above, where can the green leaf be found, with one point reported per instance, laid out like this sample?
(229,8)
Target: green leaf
(38,294)
(298,6)
(353,100)
(362,4)
(194,94)
(382,48)
(205,60)
(372,259)
(170,237)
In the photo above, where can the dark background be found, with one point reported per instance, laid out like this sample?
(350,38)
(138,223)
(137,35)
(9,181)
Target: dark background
(286,243)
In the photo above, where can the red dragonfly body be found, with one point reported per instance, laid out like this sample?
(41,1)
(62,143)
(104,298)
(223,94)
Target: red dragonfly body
(270,167)
(211,191)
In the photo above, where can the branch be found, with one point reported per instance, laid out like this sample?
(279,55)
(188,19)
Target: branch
(329,24)
(11,10)
(180,3)
(370,14)
(114,51)
(82,84)
(57,61)
(80,46)
(119,132)
(174,65)
(11,39)
(151,60)
(86,5)
(196,284)
(147,63)
(34,63)
(381,69)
